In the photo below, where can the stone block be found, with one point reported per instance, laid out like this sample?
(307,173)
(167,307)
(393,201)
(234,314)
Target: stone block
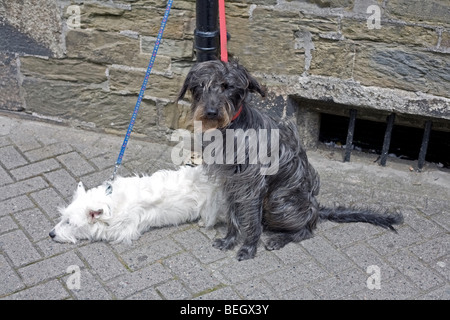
(364,256)
(146,294)
(435,11)
(52,290)
(128,80)
(360,7)
(255,289)
(47,151)
(150,253)
(62,181)
(333,59)
(260,2)
(35,223)
(22,187)
(129,283)
(105,48)
(13,41)
(49,201)
(239,271)
(183,264)
(143,19)
(326,254)
(199,245)
(10,98)
(174,290)
(76,164)
(25,142)
(162,64)
(7,224)
(15,204)
(391,33)
(180,25)
(49,268)
(178,116)
(34,169)
(348,234)
(397,288)
(389,242)
(342,285)
(101,258)
(5,178)
(432,250)
(442,293)
(445,42)
(318,25)
(90,287)
(265,41)
(219,293)
(63,69)
(414,269)
(91,107)
(11,158)
(39,20)
(333,3)
(176,49)
(18,248)
(402,68)
(308,126)
(10,280)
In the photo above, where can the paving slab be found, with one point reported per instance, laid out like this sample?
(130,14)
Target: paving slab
(41,163)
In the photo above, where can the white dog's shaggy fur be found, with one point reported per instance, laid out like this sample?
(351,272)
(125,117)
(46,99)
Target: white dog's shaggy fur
(138,203)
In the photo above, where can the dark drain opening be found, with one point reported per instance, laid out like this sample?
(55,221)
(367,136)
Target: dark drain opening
(369,135)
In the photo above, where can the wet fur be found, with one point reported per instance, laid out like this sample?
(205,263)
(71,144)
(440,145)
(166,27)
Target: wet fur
(284,203)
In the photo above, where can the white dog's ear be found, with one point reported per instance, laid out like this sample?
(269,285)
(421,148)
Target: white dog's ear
(93,215)
(80,189)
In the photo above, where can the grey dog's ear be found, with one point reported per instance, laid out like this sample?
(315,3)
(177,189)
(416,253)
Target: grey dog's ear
(254,86)
(186,86)
(183,90)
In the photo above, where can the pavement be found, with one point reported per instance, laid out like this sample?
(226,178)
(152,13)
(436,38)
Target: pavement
(41,163)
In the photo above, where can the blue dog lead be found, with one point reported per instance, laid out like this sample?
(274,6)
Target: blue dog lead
(141,95)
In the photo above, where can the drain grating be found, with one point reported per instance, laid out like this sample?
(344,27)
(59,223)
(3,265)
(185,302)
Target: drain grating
(386,139)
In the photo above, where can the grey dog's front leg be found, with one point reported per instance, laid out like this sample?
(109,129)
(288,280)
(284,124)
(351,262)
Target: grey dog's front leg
(230,239)
(253,230)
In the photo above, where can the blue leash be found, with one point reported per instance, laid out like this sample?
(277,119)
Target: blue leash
(141,93)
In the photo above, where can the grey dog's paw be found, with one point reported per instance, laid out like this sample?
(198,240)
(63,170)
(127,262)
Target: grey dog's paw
(246,252)
(277,242)
(224,243)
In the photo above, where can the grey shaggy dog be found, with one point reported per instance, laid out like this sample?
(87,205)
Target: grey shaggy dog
(285,202)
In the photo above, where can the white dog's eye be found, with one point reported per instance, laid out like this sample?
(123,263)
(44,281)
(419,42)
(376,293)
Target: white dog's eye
(68,222)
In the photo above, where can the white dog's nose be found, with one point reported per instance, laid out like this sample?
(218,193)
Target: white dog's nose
(52,234)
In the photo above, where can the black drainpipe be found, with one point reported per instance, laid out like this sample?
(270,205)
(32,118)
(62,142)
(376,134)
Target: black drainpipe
(206,33)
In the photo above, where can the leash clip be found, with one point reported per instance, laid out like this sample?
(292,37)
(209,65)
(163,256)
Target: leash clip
(109,188)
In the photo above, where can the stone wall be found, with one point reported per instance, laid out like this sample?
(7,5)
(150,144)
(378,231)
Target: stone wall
(83,62)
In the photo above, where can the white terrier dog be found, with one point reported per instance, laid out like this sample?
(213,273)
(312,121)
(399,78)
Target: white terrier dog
(136,204)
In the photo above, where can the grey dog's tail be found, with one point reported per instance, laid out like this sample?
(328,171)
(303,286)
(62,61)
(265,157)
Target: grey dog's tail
(346,215)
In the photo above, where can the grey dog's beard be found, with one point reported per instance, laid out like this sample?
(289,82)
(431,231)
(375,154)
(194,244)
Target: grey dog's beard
(208,124)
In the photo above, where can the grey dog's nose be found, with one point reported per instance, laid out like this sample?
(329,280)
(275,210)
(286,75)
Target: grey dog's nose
(212,113)
(52,234)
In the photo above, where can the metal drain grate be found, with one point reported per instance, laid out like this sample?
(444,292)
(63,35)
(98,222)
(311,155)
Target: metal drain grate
(386,139)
